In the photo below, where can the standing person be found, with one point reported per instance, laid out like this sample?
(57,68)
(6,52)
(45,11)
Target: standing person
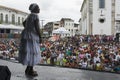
(29,53)
(53,57)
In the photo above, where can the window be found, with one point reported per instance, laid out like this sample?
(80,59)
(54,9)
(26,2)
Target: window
(7,30)
(66,24)
(1,30)
(72,30)
(13,19)
(6,18)
(118,14)
(22,19)
(56,24)
(101,3)
(101,20)
(18,20)
(1,18)
(76,30)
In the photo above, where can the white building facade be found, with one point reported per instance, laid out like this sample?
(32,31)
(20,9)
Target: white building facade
(100,17)
(117,16)
(86,17)
(69,25)
(50,26)
(102,11)
(11,20)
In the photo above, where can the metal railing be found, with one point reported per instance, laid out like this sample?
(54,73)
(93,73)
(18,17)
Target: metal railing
(9,35)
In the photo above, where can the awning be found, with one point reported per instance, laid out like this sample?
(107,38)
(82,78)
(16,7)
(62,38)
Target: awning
(61,30)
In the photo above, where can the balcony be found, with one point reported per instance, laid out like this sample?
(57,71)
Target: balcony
(7,23)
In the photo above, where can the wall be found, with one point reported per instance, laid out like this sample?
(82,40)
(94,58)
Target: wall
(102,28)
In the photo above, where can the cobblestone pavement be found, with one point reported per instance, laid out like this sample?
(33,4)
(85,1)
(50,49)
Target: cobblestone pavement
(57,73)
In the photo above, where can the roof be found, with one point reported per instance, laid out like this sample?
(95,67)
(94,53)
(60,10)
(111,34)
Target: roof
(67,19)
(1,6)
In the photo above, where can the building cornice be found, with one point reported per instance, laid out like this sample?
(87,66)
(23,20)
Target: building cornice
(82,5)
(1,6)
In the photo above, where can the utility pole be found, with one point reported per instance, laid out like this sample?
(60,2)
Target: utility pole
(42,22)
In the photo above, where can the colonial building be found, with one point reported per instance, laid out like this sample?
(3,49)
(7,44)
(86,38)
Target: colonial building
(50,26)
(117,16)
(100,17)
(86,17)
(11,20)
(69,25)
(80,27)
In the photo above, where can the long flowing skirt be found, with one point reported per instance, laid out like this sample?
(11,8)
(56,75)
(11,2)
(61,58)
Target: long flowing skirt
(29,52)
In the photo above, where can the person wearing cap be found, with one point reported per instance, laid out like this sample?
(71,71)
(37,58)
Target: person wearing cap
(29,52)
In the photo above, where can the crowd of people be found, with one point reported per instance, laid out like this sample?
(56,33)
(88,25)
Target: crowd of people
(97,52)
(9,48)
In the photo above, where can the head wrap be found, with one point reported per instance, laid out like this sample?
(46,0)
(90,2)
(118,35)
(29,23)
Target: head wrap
(32,6)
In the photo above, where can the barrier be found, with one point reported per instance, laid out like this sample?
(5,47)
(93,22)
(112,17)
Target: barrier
(6,35)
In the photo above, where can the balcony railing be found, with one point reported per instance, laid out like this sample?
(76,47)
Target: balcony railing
(16,23)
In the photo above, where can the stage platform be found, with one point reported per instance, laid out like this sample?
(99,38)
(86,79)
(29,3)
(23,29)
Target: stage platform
(57,73)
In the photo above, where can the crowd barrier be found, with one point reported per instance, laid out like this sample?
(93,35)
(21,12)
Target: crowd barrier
(6,35)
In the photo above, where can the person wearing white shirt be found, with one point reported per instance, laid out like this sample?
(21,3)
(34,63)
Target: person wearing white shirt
(60,58)
(96,59)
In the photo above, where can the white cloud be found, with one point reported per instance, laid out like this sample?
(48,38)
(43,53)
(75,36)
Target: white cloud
(51,10)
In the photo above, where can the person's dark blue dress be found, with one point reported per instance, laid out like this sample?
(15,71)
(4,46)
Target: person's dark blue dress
(29,53)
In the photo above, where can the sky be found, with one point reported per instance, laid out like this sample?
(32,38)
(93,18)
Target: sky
(50,10)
